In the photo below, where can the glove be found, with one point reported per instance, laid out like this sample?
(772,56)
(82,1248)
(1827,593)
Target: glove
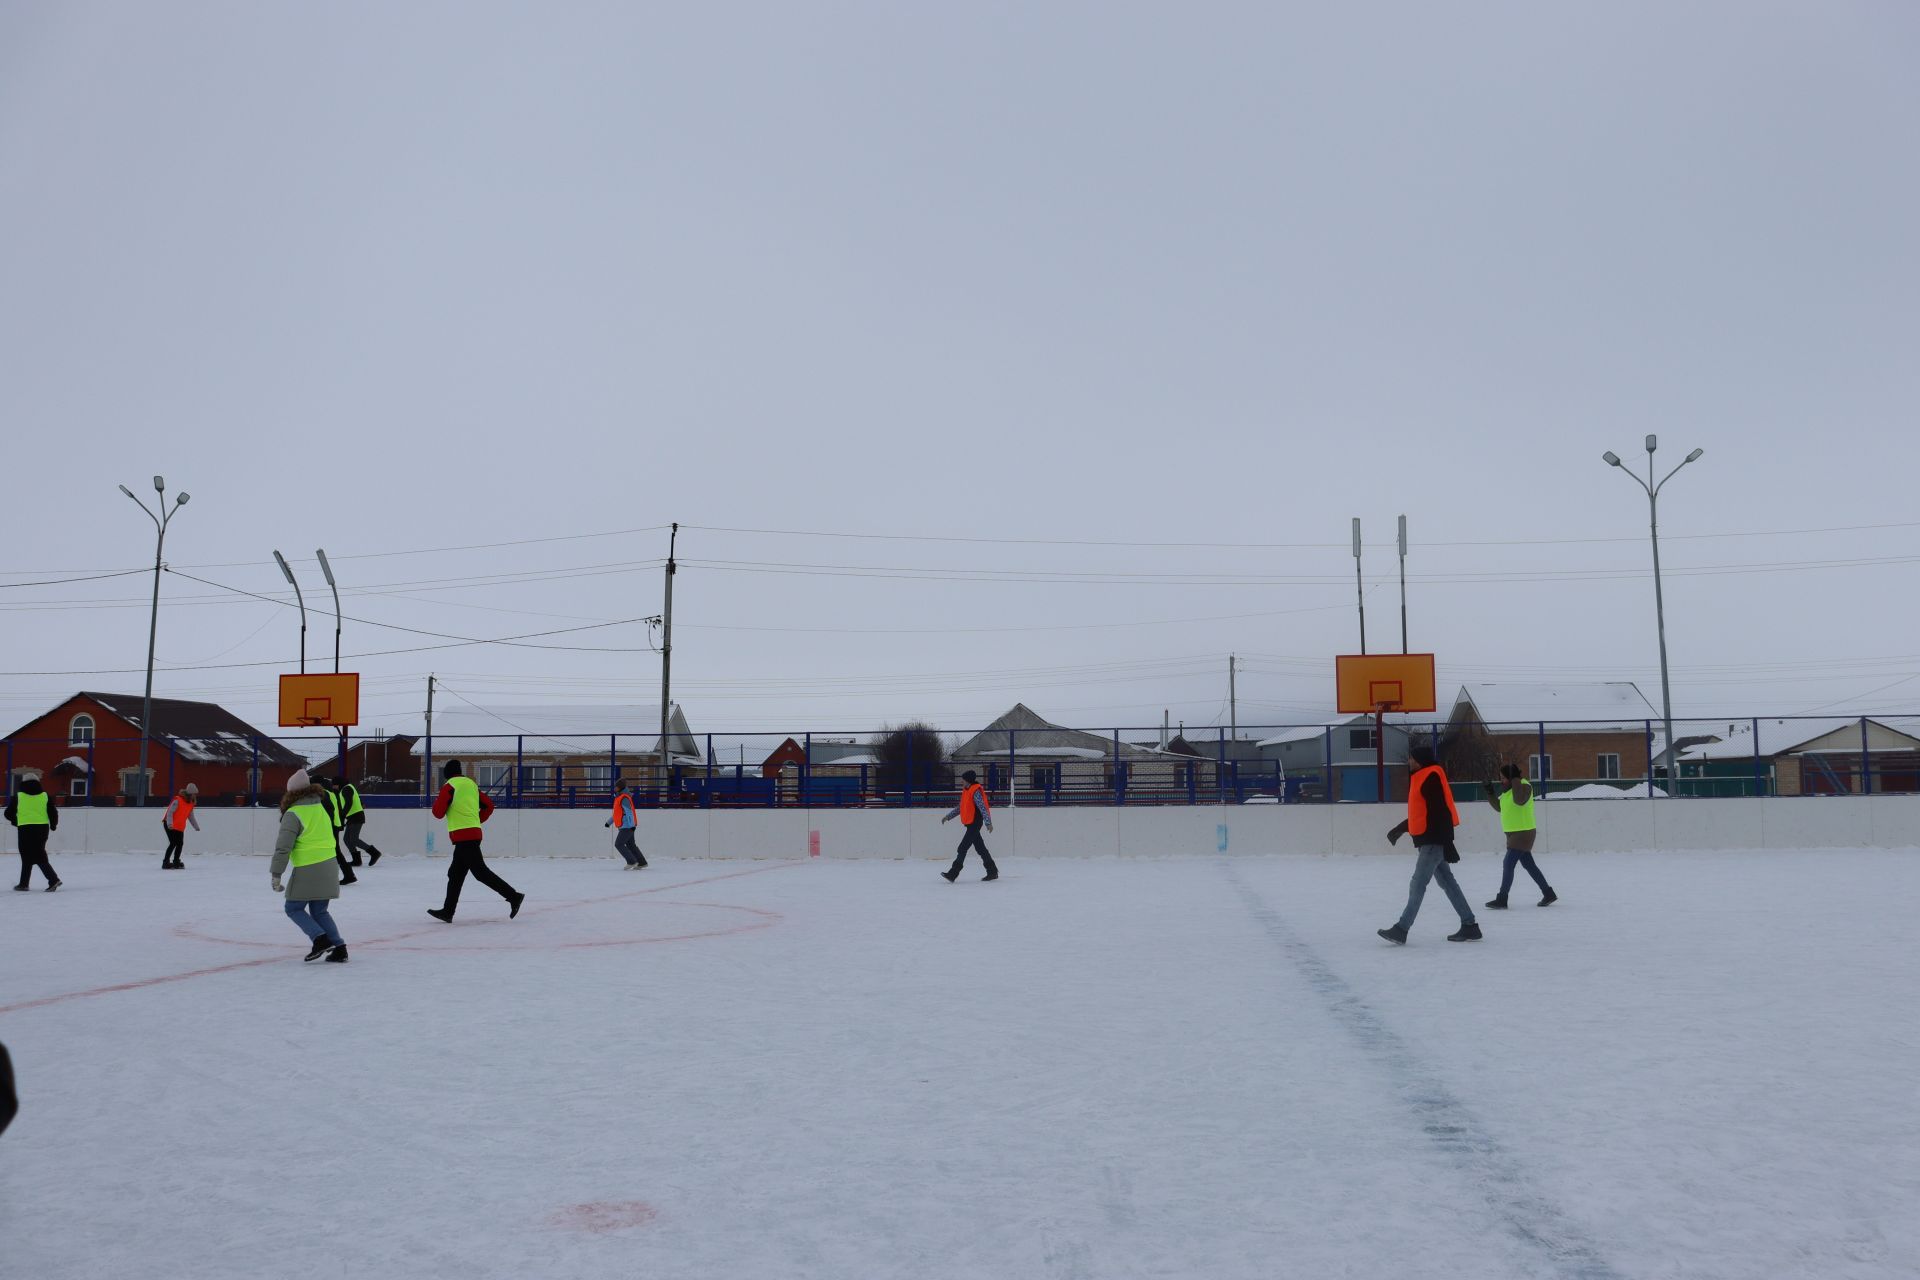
(1393,836)
(944,821)
(989,828)
(277,886)
(1452,854)
(607,823)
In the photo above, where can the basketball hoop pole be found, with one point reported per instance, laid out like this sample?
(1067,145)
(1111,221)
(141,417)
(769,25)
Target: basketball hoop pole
(1380,751)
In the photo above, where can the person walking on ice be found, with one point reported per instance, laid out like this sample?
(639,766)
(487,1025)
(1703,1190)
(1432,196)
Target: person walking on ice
(33,812)
(973,810)
(174,822)
(625,823)
(1514,800)
(465,806)
(353,817)
(306,847)
(1431,818)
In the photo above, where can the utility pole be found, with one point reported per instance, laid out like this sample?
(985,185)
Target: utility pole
(160,523)
(1403,584)
(1233,701)
(666,665)
(1359,590)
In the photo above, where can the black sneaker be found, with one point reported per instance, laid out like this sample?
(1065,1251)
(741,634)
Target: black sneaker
(949,876)
(338,955)
(20,888)
(514,904)
(441,914)
(320,945)
(1550,899)
(1396,935)
(1499,903)
(55,885)
(1468,933)
(991,875)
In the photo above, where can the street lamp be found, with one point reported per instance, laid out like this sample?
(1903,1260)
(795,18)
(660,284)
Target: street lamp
(327,570)
(1653,489)
(282,561)
(160,523)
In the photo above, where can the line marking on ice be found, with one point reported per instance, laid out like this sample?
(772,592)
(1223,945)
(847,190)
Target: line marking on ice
(139,983)
(1529,1217)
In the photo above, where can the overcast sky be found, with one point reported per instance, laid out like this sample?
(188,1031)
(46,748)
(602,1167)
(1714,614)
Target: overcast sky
(986,284)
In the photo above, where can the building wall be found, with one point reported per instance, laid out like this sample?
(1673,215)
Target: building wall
(43,744)
(1576,756)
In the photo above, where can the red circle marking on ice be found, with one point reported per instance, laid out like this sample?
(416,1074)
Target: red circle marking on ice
(601,1216)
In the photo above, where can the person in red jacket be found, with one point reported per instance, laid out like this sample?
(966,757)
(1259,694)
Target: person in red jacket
(1431,818)
(465,806)
(973,810)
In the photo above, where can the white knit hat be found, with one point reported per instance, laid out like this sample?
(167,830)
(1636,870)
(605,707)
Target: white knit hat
(300,781)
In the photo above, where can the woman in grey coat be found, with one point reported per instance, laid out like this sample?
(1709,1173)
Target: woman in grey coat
(306,845)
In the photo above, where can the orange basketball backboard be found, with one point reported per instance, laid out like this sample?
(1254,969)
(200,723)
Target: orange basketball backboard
(1401,681)
(332,700)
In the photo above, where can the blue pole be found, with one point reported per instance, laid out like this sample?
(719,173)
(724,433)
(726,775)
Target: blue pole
(1220,768)
(253,775)
(907,795)
(1759,784)
(519,787)
(1330,788)
(1866,761)
(1649,728)
(806,771)
(1546,770)
(613,764)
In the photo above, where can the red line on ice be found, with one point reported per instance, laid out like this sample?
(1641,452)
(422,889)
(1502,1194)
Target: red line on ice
(138,983)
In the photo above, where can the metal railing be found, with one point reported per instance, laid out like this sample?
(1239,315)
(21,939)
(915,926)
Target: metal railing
(1273,764)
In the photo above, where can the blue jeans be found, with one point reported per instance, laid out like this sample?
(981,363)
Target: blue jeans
(1521,858)
(1430,863)
(314,920)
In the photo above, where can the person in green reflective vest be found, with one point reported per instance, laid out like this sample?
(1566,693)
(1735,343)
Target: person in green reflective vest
(32,810)
(353,817)
(306,847)
(465,806)
(1513,798)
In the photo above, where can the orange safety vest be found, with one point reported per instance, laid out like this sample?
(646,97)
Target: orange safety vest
(621,804)
(970,806)
(181,814)
(1417,800)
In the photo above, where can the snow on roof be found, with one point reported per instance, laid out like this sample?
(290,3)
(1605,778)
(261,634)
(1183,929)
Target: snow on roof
(1301,733)
(1614,704)
(554,730)
(1786,734)
(1603,791)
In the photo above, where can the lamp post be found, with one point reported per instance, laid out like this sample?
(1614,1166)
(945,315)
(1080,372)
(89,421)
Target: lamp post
(1653,488)
(327,570)
(282,562)
(160,523)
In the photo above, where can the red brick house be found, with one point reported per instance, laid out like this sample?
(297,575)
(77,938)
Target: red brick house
(379,765)
(86,750)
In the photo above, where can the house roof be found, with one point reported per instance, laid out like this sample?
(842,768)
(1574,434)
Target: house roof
(1597,705)
(537,730)
(1784,735)
(201,732)
(1303,732)
(1036,736)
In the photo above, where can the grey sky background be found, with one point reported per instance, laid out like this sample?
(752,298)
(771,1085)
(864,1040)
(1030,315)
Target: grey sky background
(383,278)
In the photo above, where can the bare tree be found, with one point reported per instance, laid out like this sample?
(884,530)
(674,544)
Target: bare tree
(911,755)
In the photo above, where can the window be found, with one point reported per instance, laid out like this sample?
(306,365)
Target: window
(1360,739)
(492,776)
(80,731)
(1609,764)
(130,783)
(77,788)
(1540,768)
(536,778)
(1044,777)
(599,777)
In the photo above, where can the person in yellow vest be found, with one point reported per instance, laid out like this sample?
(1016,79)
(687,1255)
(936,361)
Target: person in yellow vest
(353,817)
(973,810)
(174,822)
(465,806)
(1431,818)
(625,823)
(305,846)
(1513,798)
(32,810)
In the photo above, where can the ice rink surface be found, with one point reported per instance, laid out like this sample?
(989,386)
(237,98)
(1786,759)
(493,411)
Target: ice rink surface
(1695,1065)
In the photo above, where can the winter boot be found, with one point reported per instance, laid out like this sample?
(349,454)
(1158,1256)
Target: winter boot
(54,885)
(338,955)
(1468,933)
(514,904)
(1550,899)
(19,888)
(949,876)
(319,948)
(991,875)
(441,914)
(1396,935)
(373,856)
(1499,903)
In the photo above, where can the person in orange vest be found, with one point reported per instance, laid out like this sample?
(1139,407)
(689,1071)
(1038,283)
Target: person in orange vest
(174,822)
(1431,818)
(625,822)
(973,810)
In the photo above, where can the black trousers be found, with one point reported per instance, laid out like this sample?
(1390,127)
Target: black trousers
(33,853)
(175,841)
(467,861)
(973,841)
(627,848)
(355,845)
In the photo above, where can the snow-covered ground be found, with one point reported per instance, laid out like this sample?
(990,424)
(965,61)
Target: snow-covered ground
(1695,1065)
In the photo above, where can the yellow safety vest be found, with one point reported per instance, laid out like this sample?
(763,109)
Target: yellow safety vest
(354,807)
(316,836)
(1515,816)
(463,811)
(31,810)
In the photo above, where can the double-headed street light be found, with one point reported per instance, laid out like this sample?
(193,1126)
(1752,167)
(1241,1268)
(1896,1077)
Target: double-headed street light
(1653,488)
(160,523)
(302,600)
